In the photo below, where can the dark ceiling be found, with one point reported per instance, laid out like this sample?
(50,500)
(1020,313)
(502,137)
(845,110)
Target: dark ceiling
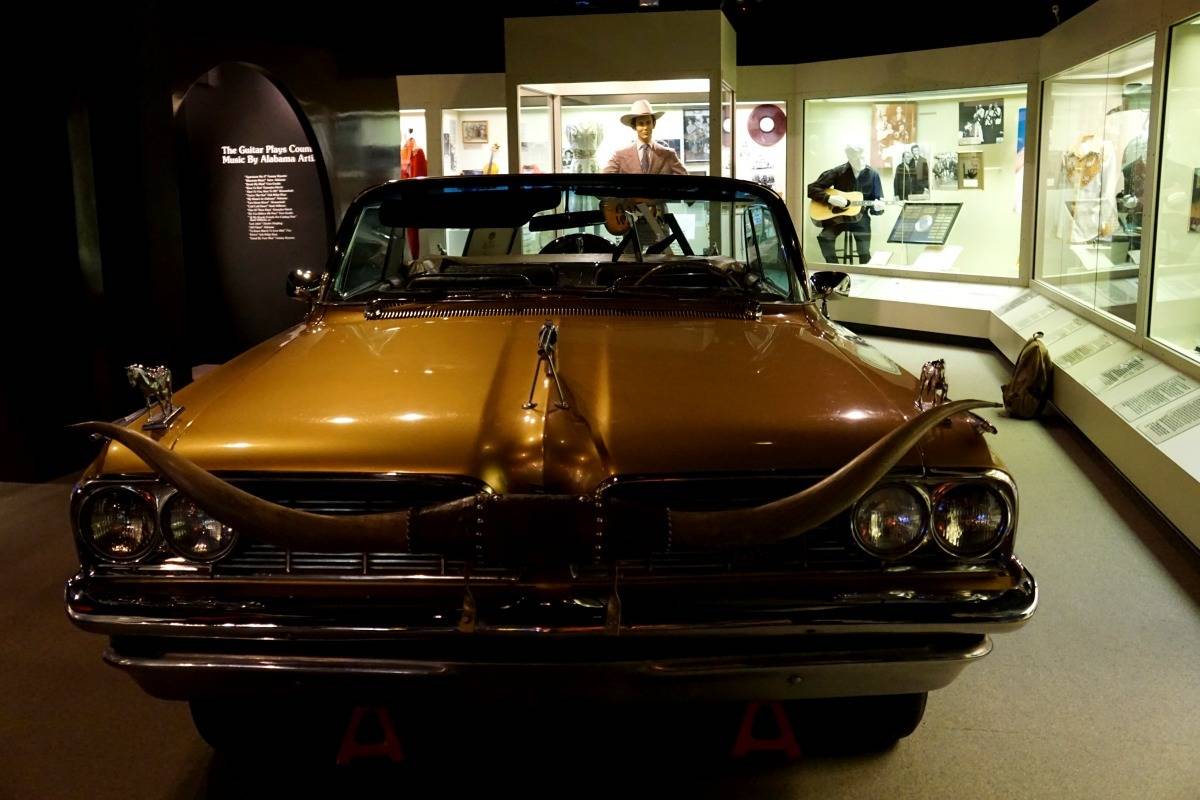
(438,36)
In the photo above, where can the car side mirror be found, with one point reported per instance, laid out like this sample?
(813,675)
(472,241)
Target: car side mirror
(828,283)
(304,285)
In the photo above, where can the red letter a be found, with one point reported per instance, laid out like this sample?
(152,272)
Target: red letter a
(786,741)
(389,747)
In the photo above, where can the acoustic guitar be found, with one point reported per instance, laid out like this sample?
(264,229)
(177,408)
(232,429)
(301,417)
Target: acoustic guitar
(616,221)
(825,214)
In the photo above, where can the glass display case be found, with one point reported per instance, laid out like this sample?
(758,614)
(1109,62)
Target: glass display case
(576,127)
(762,143)
(474,141)
(1091,193)
(941,175)
(1175,299)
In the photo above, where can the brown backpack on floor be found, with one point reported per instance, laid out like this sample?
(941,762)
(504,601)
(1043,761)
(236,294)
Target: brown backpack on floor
(1026,395)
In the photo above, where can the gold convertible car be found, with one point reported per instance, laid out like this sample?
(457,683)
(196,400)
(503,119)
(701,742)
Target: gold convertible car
(578,435)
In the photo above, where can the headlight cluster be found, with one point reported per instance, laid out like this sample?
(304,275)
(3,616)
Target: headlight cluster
(125,524)
(966,518)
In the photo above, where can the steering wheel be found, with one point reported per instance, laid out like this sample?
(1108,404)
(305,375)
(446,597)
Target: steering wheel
(577,243)
(687,268)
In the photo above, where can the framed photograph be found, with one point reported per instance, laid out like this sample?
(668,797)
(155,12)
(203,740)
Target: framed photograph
(893,130)
(970,169)
(697,172)
(981,121)
(945,170)
(1194,222)
(673,144)
(474,131)
(695,134)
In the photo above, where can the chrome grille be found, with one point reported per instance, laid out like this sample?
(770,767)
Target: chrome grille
(266,559)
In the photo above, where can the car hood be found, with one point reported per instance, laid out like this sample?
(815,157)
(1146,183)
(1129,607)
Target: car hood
(643,395)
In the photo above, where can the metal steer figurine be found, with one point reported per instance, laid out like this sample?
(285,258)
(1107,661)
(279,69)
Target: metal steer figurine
(155,385)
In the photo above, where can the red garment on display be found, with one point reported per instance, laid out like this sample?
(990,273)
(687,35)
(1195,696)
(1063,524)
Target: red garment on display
(413,165)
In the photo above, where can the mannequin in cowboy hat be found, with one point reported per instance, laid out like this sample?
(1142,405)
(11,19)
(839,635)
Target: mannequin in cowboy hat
(644,156)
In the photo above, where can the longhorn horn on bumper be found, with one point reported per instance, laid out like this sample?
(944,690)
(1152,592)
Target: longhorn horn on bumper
(793,515)
(269,522)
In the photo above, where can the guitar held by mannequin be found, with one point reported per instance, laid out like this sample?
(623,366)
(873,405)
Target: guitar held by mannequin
(843,207)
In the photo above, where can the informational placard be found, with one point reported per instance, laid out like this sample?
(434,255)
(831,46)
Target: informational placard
(1063,331)
(924,223)
(1034,317)
(1173,422)
(1016,302)
(1155,397)
(1130,367)
(257,205)
(1085,351)
(269,213)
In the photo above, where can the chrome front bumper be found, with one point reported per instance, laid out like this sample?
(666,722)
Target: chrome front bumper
(694,638)
(820,667)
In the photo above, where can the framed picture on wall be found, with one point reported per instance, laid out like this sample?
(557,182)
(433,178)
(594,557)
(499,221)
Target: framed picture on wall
(474,131)
(945,170)
(970,169)
(695,134)
(894,128)
(981,121)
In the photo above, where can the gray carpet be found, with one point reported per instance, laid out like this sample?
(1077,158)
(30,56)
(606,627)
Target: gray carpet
(1098,697)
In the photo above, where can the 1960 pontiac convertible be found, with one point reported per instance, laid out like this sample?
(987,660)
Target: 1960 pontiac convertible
(591,434)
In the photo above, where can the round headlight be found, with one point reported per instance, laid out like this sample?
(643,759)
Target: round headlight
(194,534)
(969,519)
(118,523)
(889,522)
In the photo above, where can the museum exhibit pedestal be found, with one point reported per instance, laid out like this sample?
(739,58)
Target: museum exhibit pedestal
(1141,413)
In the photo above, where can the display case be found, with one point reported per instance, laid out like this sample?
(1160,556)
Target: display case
(1092,179)
(941,174)
(576,127)
(474,141)
(1175,298)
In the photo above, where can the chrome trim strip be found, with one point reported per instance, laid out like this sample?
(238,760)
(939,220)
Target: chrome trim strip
(1016,607)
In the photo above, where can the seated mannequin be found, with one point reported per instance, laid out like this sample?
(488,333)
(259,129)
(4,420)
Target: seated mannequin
(853,176)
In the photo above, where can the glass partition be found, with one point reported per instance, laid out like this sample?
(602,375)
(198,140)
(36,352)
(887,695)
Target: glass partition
(474,141)
(727,133)
(1175,303)
(940,176)
(1095,119)
(534,120)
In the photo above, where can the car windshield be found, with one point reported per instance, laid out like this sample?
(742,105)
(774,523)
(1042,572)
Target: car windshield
(690,238)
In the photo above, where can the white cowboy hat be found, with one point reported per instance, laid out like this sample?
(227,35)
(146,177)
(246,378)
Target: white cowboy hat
(640,108)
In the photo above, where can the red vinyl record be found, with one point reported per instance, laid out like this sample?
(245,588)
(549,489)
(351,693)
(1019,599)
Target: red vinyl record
(767,124)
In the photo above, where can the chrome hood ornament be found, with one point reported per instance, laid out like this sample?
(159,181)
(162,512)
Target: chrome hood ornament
(155,385)
(933,388)
(547,351)
(933,391)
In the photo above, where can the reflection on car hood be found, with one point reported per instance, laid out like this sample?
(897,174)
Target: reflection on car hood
(644,396)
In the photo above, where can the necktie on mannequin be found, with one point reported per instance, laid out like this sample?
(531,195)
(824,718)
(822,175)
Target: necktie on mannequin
(645,158)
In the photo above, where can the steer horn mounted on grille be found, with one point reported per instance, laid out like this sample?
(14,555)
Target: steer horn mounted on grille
(287,527)
(793,515)
(270,522)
